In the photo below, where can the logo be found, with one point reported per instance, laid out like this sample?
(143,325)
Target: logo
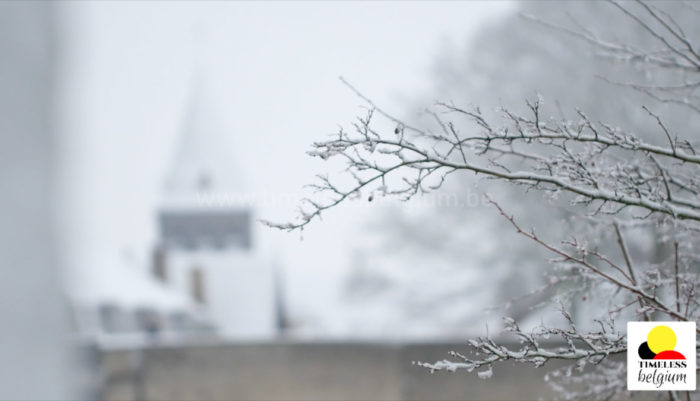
(659,345)
(661,356)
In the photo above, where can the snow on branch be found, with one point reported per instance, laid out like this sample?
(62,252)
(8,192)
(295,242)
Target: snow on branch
(601,165)
(609,174)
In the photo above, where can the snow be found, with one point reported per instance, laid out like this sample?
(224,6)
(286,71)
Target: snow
(485,374)
(111,280)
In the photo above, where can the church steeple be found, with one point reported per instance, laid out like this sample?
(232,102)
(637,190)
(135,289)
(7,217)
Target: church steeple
(203,160)
(199,208)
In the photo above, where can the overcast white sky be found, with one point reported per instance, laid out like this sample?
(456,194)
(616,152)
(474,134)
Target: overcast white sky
(273,67)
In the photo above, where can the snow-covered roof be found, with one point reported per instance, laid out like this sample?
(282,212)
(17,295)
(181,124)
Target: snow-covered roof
(113,281)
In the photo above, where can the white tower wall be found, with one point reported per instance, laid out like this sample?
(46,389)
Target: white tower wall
(238,290)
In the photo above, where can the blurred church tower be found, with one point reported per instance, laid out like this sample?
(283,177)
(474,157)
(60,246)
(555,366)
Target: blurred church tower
(206,248)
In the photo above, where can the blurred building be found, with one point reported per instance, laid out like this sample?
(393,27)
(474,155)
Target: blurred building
(206,276)
(206,250)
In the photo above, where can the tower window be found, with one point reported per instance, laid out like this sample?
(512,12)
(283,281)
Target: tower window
(197,288)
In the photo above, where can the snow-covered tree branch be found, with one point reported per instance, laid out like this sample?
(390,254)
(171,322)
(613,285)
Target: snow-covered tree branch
(616,178)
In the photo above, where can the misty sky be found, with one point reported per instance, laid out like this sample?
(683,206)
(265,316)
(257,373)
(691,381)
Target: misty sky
(125,71)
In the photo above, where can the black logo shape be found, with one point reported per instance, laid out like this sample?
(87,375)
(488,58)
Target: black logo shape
(645,352)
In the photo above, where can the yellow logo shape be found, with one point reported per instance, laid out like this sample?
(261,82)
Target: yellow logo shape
(661,338)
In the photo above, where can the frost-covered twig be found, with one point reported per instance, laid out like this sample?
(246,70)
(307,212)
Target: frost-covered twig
(586,347)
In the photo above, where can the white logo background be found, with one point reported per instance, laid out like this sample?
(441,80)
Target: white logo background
(685,344)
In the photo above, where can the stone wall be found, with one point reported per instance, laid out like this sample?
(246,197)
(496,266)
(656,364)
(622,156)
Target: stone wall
(307,371)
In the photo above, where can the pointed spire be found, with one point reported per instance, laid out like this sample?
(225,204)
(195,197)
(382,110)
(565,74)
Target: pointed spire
(204,157)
